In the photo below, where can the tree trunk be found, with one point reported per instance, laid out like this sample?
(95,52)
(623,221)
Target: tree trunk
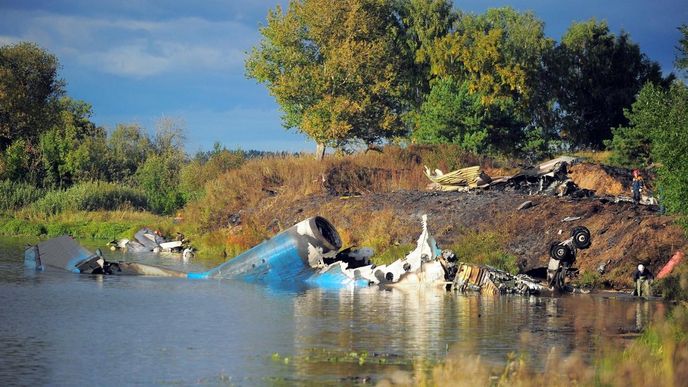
(320,151)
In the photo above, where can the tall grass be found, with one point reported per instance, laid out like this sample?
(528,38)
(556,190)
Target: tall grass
(659,357)
(270,182)
(89,196)
(15,195)
(484,248)
(87,224)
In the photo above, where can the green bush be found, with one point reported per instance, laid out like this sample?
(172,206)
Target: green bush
(158,177)
(89,229)
(484,248)
(590,279)
(15,195)
(91,196)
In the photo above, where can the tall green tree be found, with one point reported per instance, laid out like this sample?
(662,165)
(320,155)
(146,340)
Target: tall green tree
(335,69)
(425,22)
(632,144)
(682,48)
(129,147)
(59,144)
(452,114)
(29,91)
(598,75)
(500,54)
(497,58)
(669,120)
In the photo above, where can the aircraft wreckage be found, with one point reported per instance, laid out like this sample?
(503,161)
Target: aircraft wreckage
(309,252)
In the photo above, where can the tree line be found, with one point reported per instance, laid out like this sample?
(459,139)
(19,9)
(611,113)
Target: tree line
(370,71)
(48,142)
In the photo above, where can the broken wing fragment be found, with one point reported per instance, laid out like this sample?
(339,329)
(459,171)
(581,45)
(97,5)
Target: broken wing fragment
(66,254)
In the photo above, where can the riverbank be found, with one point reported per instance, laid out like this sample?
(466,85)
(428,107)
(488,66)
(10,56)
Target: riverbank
(107,225)
(376,200)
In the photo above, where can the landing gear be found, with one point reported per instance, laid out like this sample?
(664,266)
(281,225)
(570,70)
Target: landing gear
(563,256)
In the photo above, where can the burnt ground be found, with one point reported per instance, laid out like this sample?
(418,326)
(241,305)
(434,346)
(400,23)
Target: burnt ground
(622,234)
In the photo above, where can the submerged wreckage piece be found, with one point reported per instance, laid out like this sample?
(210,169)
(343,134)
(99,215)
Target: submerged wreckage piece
(488,280)
(148,240)
(65,253)
(309,253)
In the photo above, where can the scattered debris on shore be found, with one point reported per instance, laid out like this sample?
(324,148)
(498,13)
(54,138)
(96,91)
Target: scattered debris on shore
(555,177)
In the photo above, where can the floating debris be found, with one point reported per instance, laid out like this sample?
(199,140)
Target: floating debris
(309,252)
(146,240)
(65,253)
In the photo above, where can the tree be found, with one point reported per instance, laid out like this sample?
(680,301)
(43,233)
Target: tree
(15,163)
(169,136)
(158,177)
(29,89)
(598,75)
(670,146)
(425,21)
(128,148)
(335,69)
(682,48)
(451,114)
(59,144)
(499,53)
(632,144)
(497,58)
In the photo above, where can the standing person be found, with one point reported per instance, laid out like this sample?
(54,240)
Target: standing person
(637,186)
(642,278)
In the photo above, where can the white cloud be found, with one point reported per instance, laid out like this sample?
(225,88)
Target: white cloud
(139,48)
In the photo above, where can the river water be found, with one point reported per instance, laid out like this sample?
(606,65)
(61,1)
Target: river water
(69,329)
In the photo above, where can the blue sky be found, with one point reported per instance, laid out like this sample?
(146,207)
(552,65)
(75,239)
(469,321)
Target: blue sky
(137,61)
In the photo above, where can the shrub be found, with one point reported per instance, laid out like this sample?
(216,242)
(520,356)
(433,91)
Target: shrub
(590,279)
(158,177)
(15,195)
(91,196)
(484,248)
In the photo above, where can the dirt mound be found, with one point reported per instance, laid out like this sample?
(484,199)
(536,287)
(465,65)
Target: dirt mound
(605,181)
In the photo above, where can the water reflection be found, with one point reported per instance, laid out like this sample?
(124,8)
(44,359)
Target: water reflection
(427,323)
(143,330)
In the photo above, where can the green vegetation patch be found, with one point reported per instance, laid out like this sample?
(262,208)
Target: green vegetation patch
(20,227)
(484,248)
(15,195)
(90,196)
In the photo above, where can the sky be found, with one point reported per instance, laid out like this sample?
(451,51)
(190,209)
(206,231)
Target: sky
(137,61)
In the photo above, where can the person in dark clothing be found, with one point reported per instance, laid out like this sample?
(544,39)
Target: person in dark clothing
(643,278)
(637,186)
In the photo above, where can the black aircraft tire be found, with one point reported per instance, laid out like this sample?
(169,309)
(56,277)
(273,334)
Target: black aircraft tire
(581,237)
(561,252)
